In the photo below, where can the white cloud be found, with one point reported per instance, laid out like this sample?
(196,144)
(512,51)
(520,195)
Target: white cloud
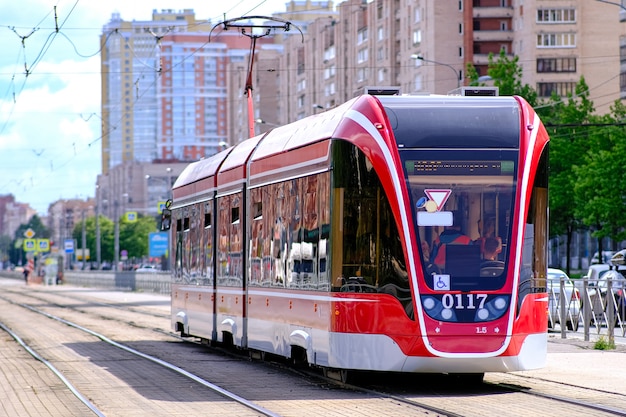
(49,120)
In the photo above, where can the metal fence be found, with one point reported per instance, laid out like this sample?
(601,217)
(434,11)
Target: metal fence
(596,305)
(155,282)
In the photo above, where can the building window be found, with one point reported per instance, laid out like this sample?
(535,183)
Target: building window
(556,65)
(417,37)
(418,84)
(560,89)
(361,36)
(556,40)
(329,53)
(362,55)
(556,16)
(361,74)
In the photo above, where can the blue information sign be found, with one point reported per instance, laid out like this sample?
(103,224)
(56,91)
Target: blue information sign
(69,245)
(158,244)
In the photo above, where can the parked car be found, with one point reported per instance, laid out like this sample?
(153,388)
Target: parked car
(606,257)
(593,276)
(598,296)
(146,268)
(572,298)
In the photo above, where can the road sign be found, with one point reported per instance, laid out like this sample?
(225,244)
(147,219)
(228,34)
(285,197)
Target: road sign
(30,245)
(158,244)
(69,245)
(43,245)
(131,216)
(29,233)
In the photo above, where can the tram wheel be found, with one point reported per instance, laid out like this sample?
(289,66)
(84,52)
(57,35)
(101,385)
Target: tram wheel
(342,375)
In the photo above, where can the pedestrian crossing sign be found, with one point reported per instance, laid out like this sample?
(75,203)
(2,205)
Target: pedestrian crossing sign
(30,245)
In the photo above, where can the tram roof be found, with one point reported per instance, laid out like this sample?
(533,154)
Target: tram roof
(445,113)
(428,121)
(301,132)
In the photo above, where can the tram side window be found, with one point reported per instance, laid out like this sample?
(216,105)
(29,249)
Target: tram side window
(370,257)
(289,233)
(196,244)
(178,246)
(534,251)
(208,244)
(186,251)
(229,269)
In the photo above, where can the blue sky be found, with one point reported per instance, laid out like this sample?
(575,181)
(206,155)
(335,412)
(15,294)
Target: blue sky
(50,89)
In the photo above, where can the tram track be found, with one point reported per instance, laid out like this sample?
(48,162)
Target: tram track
(439,394)
(446,395)
(75,387)
(322,396)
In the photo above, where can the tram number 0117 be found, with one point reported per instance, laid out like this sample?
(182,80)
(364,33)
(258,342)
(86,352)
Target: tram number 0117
(463,301)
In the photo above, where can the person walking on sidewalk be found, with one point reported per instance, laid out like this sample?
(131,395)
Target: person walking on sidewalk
(26,273)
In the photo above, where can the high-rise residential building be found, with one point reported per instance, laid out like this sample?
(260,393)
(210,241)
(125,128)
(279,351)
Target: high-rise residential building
(174,86)
(425,46)
(164,99)
(131,69)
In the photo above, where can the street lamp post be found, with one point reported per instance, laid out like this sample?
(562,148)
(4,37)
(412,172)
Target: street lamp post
(169,183)
(98,244)
(116,231)
(83,241)
(116,235)
(457,74)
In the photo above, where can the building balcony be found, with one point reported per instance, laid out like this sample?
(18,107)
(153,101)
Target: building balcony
(493,36)
(492,12)
(483,59)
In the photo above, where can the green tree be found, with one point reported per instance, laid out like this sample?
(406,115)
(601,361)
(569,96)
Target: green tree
(16,252)
(599,193)
(133,236)
(106,237)
(569,142)
(5,248)
(37,226)
(506,74)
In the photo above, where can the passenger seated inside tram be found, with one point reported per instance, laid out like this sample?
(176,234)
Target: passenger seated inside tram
(487,231)
(452,235)
(493,246)
(491,266)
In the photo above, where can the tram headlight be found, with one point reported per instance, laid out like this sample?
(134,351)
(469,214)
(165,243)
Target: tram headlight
(492,309)
(434,308)
(429,303)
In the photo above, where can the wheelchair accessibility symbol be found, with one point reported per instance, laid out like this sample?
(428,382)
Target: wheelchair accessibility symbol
(441,282)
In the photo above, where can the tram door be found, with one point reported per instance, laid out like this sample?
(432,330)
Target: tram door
(230,297)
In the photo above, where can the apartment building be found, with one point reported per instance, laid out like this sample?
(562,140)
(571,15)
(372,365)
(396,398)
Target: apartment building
(424,46)
(174,87)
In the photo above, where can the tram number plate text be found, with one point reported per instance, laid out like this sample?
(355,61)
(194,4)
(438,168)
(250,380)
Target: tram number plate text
(463,301)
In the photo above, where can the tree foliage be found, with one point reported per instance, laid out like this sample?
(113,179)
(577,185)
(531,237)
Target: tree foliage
(586,153)
(133,236)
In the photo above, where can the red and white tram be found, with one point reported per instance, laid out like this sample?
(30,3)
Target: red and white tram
(357,239)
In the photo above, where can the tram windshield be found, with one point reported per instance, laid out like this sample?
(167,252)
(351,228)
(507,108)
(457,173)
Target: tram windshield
(462,204)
